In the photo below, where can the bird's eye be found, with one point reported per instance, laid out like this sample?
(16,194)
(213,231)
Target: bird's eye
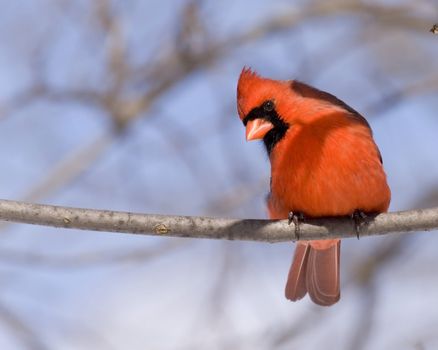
(268,106)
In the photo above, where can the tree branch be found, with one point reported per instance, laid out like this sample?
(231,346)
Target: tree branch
(215,228)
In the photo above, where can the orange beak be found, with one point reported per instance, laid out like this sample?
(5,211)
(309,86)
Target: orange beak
(256,129)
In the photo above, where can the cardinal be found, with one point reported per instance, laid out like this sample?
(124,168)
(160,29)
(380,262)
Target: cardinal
(324,163)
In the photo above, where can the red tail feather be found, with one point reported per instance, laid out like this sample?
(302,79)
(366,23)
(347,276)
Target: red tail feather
(316,271)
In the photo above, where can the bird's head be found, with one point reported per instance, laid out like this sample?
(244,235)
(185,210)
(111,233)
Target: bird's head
(259,104)
(269,108)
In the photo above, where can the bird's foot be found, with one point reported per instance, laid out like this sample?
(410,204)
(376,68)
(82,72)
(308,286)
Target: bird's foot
(359,219)
(297,218)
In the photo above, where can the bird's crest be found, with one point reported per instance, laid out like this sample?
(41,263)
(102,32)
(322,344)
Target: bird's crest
(249,80)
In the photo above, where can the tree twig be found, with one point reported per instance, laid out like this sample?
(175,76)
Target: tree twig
(215,228)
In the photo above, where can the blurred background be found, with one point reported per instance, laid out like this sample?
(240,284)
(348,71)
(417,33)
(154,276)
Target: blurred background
(130,105)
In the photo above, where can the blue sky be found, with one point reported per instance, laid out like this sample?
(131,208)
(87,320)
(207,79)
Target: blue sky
(182,157)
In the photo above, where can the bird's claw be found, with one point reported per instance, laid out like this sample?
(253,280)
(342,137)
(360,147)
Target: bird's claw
(297,218)
(359,218)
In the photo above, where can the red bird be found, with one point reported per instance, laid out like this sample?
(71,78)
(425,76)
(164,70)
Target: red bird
(324,162)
